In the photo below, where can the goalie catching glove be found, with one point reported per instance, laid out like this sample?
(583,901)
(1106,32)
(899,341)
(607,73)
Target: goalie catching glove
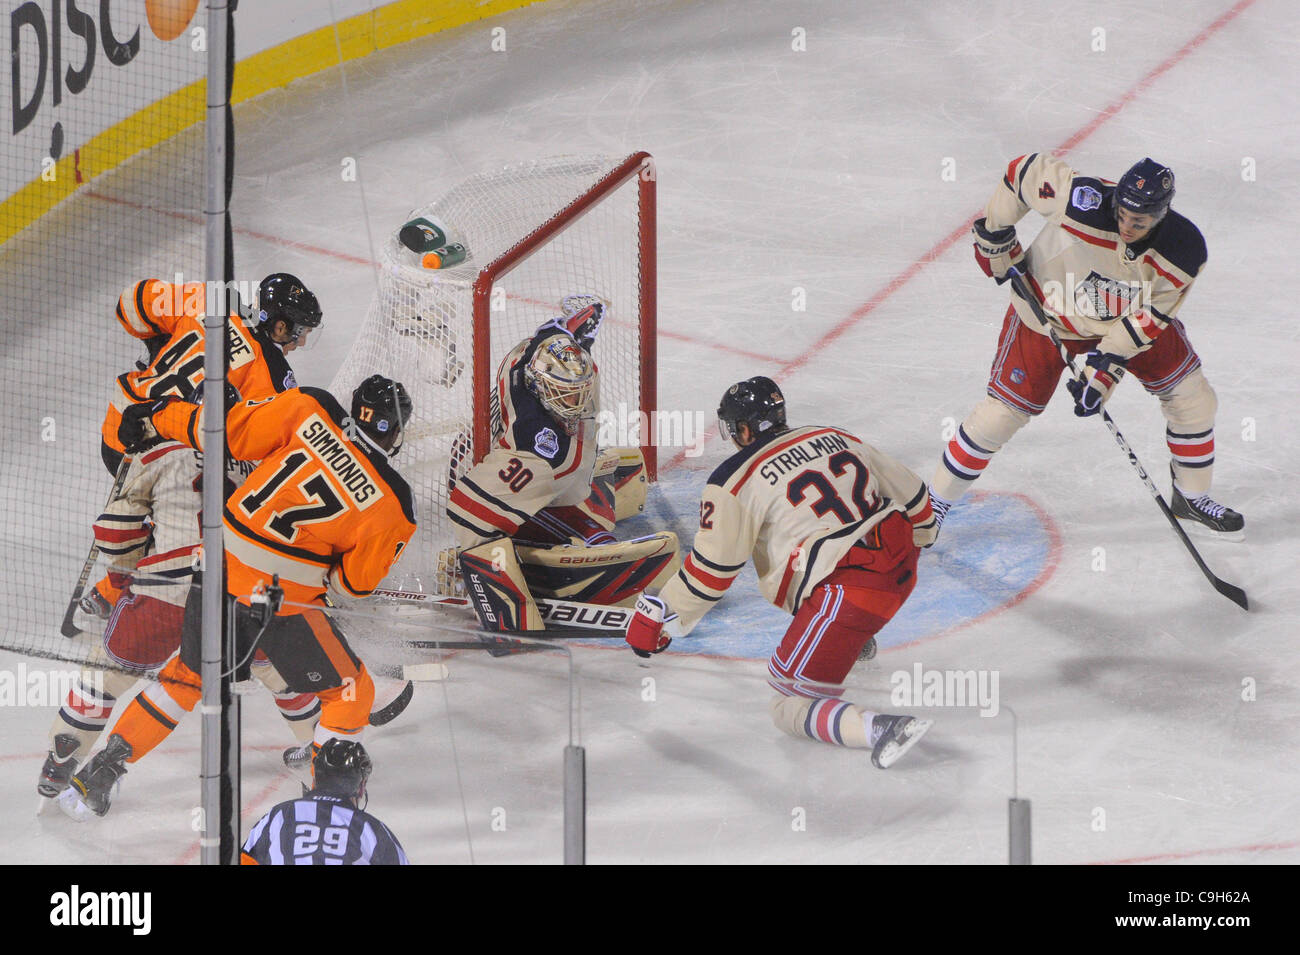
(997,251)
(1102,372)
(645,631)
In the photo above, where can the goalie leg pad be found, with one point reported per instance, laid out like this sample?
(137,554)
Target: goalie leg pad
(497,587)
(609,574)
(622,473)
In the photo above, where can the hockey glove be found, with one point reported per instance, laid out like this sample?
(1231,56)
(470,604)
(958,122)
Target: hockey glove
(1102,373)
(996,251)
(136,431)
(645,630)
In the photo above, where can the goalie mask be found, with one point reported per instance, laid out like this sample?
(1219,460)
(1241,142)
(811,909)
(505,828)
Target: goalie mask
(563,376)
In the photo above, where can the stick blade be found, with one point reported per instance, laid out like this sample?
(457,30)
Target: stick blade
(69,629)
(1233,593)
(387,714)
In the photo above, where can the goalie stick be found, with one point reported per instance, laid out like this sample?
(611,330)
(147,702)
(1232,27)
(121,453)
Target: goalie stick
(1231,591)
(69,629)
(579,619)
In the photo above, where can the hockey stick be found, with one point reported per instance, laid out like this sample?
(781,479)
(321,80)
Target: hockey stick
(1231,591)
(390,712)
(574,614)
(514,642)
(68,628)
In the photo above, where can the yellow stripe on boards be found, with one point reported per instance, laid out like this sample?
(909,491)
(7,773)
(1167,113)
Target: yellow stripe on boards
(358,36)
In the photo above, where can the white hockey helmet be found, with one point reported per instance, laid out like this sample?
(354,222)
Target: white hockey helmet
(564,378)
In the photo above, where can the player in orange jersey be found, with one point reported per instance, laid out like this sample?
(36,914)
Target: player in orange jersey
(324,507)
(169,319)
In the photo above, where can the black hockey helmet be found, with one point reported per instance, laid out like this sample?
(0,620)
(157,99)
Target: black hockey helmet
(341,768)
(756,402)
(283,297)
(381,407)
(1146,189)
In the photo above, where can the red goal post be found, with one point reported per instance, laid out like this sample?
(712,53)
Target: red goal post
(535,233)
(641,166)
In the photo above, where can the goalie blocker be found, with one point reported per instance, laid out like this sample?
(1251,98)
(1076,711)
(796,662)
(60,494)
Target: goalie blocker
(502,578)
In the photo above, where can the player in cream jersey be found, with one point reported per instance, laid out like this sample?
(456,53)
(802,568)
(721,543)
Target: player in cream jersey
(834,528)
(1112,267)
(540,469)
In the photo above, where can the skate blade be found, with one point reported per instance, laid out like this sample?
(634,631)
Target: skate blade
(895,749)
(1198,530)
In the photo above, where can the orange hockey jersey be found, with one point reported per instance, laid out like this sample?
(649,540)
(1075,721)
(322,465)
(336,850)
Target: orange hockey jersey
(321,508)
(155,309)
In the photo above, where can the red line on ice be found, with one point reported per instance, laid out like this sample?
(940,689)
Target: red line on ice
(951,239)
(251,810)
(1193,853)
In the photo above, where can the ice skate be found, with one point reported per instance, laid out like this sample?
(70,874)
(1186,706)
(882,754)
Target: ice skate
(59,766)
(1207,518)
(92,789)
(898,734)
(299,757)
(940,508)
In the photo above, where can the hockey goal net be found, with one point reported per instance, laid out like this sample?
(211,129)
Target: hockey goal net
(536,234)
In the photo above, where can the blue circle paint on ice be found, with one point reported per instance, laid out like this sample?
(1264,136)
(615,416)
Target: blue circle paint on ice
(995,549)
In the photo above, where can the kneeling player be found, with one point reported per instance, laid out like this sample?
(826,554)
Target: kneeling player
(544,484)
(834,528)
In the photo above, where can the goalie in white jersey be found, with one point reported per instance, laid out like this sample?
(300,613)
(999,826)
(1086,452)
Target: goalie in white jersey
(834,528)
(545,487)
(1112,268)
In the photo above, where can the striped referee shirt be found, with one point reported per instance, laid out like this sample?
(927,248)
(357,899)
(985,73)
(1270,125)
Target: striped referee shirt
(321,829)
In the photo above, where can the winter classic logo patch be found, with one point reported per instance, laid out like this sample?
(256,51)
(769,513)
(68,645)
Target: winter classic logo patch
(546,443)
(1085,198)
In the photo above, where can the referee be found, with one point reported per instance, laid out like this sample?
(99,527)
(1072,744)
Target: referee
(326,826)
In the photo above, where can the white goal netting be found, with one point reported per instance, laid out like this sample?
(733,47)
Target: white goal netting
(535,233)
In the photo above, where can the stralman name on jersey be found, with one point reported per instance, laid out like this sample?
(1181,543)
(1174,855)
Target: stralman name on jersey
(801,454)
(794,502)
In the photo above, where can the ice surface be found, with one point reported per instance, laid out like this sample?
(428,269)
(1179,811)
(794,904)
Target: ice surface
(1153,719)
